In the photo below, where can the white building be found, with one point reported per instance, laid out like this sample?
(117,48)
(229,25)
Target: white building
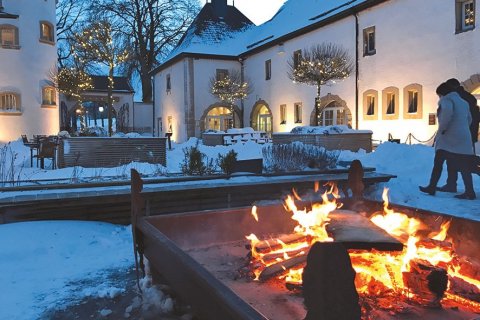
(402,49)
(28,53)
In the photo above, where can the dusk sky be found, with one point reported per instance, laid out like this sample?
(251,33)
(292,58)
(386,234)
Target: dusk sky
(256,10)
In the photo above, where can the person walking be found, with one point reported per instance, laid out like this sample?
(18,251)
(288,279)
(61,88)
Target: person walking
(451,184)
(453,140)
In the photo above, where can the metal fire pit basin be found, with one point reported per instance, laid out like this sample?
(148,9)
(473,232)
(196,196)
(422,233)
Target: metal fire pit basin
(197,253)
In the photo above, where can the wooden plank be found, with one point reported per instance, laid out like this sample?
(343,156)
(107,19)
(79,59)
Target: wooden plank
(357,232)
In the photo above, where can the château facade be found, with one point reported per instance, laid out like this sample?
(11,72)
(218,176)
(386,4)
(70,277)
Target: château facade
(28,54)
(402,50)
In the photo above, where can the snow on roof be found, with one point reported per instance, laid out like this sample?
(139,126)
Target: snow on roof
(295,15)
(210,29)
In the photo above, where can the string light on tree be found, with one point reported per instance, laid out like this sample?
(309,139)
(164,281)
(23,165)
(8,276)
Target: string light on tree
(229,89)
(320,65)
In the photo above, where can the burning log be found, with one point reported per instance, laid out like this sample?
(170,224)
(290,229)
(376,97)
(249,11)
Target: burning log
(328,283)
(273,244)
(279,267)
(427,282)
(464,289)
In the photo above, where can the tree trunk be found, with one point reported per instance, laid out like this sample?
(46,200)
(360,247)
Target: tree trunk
(146,87)
(318,111)
(110,100)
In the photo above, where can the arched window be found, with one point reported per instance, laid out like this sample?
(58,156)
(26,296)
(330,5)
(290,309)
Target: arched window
(9,102)
(335,114)
(49,96)
(9,36)
(46,32)
(390,103)
(370,105)
(219,118)
(413,101)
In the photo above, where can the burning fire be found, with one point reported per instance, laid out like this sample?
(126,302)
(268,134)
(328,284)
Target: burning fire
(378,273)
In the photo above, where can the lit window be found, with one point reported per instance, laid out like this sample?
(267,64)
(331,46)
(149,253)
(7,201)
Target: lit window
(370,105)
(221,74)
(9,37)
(169,83)
(9,102)
(390,97)
(390,103)
(369,41)
(298,112)
(46,32)
(465,15)
(413,104)
(283,114)
(49,96)
(268,69)
(412,101)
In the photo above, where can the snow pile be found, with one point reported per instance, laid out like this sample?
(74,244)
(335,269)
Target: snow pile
(326,130)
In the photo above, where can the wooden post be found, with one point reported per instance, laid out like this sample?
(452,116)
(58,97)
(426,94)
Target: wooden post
(137,210)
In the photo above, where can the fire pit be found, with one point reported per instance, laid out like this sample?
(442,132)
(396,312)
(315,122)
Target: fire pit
(401,272)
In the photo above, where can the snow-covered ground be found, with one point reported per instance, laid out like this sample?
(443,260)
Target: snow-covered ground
(52,264)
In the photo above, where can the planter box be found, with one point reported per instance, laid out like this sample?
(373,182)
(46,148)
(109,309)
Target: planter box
(94,152)
(250,165)
(344,141)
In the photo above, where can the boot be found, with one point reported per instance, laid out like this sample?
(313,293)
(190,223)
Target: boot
(466,195)
(428,189)
(447,188)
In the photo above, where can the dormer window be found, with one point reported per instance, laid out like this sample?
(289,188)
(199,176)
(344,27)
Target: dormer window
(9,36)
(46,32)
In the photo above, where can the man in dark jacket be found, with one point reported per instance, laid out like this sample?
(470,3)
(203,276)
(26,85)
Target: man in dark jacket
(451,185)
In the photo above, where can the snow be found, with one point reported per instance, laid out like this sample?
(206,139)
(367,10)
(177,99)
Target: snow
(292,16)
(56,263)
(48,263)
(336,129)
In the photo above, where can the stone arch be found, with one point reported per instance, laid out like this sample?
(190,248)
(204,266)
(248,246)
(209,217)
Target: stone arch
(261,117)
(472,84)
(236,114)
(330,101)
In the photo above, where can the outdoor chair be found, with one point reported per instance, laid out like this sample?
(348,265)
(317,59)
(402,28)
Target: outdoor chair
(247,137)
(47,150)
(236,139)
(227,140)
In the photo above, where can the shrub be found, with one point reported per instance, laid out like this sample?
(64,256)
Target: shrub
(297,156)
(227,162)
(196,163)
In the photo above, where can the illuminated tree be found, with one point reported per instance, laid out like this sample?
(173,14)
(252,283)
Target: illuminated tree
(229,89)
(96,44)
(319,65)
(72,82)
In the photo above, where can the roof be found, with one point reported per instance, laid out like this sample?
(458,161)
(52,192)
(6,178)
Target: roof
(210,29)
(121,84)
(294,18)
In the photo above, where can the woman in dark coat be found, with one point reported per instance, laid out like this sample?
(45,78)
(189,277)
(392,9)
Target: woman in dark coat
(453,141)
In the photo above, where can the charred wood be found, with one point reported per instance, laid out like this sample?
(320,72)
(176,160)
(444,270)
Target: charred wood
(279,267)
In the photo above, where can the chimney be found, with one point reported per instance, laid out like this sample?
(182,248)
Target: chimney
(219,7)
(1,6)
